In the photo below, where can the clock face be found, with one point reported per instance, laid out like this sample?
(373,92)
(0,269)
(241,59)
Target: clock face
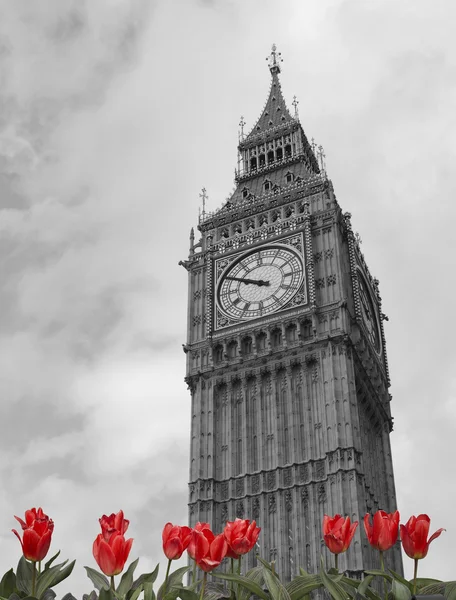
(368,314)
(260,282)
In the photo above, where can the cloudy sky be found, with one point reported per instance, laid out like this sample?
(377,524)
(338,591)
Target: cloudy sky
(113,115)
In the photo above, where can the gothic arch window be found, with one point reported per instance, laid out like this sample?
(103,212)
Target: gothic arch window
(262,160)
(288,151)
(306,329)
(261,341)
(289,177)
(218,354)
(267,185)
(276,189)
(270,156)
(276,337)
(279,154)
(232,349)
(291,333)
(246,346)
(275,216)
(253,163)
(245,192)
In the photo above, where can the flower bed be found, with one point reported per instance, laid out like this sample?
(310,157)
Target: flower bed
(207,550)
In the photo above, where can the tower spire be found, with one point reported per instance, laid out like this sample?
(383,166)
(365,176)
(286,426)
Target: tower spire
(274,59)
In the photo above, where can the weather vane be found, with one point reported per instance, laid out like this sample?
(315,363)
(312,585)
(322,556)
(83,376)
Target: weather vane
(274,60)
(241,125)
(203,197)
(295,104)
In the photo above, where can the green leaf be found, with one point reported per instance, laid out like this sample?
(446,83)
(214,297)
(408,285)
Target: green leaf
(50,561)
(302,585)
(399,578)
(134,594)
(69,597)
(450,590)
(212,591)
(424,581)
(92,596)
(48,595)
(438,588)
(379,573)
(106,594)
(332,585)
(255,575)
(246,583)
(150,577)
(149,593)
(400,591)
(24,576)
(174,579)
(99,580)
(277,590)
(362,588)
(8,584)
(126,582)
(264,563)
(186,594)
(51,577)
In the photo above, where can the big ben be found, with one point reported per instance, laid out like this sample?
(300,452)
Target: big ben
(286,358)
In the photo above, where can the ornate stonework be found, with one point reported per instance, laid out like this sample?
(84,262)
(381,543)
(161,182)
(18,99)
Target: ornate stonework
(290,404)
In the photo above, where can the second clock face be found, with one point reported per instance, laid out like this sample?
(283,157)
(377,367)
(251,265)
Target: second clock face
(260,282)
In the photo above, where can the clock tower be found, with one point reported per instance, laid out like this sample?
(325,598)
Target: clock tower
(286,359)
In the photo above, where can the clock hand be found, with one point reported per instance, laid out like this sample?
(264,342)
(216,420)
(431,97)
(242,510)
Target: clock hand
(259,282)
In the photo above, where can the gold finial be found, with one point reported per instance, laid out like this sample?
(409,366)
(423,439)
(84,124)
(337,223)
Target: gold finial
(203,197)
(274,59)
(241,125)
(295,104)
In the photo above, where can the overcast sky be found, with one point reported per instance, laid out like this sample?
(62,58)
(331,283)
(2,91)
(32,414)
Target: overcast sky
(113,115)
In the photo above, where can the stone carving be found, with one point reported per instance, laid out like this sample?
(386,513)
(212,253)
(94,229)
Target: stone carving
(256,508)
(192,509)
(329,253)
(240,510)
(320,469)
(272,503)
(305,497)
(320,283)
(303,473)
(255,484)
(239,487)
(287,477)
(271,480)
(288,501)
(224,513)
(321,493)
(331,279)
(224,490)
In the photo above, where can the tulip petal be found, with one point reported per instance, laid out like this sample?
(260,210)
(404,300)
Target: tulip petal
(435,535)
(43,545)
(106,559)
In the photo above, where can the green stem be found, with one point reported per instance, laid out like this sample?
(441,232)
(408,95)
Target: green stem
(382,565)
(203,587)
(238,572)
(194,572)
(336,561)
(39,567)
(415,571)
(232,573)
(112,583)
(166,577)
(33,577)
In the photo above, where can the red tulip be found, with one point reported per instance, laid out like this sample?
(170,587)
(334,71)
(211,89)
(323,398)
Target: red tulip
(111,549)
(210,550)
(382,534)
(338,533)
(38,529)
(241,536)
(414,536)
(175,540)
(198,527)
